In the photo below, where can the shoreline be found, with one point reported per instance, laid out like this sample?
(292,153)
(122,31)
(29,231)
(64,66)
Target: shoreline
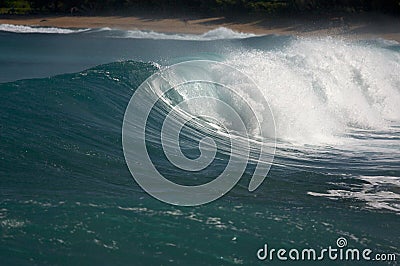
(359,26)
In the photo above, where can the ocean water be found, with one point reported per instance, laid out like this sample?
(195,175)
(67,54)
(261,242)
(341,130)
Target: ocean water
(67,196)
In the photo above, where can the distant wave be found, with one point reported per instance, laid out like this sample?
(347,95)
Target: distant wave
(33,29)
(215,34)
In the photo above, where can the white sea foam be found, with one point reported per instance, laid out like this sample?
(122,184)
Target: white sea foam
(34,29)
(374,192)
(321,88)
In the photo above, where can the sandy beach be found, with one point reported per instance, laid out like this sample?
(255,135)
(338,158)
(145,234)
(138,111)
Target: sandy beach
(367,25)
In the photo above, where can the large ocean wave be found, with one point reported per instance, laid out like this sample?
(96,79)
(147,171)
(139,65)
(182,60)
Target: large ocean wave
(328,114)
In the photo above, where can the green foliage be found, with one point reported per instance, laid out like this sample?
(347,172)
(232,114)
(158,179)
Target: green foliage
(206,6)
(268,6)
(14,7)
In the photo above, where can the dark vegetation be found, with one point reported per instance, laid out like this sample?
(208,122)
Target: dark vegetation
(91,7)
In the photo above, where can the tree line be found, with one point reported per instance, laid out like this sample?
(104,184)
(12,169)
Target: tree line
(214,6)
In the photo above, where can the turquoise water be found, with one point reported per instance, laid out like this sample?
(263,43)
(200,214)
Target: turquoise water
(67,196)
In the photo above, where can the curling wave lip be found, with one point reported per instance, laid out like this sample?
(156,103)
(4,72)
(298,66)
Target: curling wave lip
(232,104)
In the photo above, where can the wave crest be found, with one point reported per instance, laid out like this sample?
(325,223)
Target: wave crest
(319,89)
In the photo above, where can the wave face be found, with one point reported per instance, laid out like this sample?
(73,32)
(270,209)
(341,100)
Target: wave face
(65,185)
